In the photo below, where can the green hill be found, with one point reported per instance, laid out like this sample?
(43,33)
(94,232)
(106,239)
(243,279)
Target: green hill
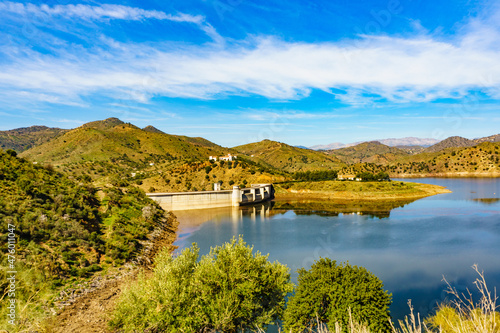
(370,152)
(111,138)
(288,158)
(481,160)
(24,138)
(66,231)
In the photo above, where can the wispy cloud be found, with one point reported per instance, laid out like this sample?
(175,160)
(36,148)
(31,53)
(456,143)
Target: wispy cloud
(105,11)
(373,69)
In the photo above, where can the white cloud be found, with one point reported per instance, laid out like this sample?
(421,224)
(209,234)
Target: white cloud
(396,69)
(105,11)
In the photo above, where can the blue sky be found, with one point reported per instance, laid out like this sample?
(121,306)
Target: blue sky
(239,71)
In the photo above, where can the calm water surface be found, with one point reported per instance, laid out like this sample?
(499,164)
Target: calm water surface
(409,245)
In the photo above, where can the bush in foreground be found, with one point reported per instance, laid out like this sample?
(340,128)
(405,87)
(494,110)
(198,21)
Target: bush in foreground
(337,295)
(231,289)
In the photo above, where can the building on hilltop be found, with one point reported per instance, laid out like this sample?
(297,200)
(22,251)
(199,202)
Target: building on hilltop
(226,158)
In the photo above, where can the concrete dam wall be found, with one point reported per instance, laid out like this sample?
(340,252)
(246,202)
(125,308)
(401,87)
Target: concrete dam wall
(211,199)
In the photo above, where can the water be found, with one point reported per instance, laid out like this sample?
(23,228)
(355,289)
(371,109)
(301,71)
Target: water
(410,246)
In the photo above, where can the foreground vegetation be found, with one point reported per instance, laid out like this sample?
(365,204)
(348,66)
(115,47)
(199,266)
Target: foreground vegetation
(229,290)
(65,231)
(233,289)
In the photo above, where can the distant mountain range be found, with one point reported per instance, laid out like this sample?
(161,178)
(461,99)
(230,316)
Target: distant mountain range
(392,142)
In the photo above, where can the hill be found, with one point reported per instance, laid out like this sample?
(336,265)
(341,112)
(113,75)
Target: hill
(458,142)
(451,142)
(152,129)
(66,231)
(491,138)
(114,142)
(370,152)
(482,160)
(21,139)
(288,158)
(113,152)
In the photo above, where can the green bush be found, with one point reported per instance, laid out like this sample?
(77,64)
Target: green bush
(327,292)
(231,289)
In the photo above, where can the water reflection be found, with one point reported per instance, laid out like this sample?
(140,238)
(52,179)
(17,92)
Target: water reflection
(373,208)
(488,201)
(409,245)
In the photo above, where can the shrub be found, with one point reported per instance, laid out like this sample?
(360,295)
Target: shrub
(327,292)
(231,289)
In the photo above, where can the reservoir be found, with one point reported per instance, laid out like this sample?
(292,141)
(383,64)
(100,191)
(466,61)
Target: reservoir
(409,245)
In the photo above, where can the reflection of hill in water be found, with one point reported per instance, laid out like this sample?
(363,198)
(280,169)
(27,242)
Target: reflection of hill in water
(488,201)
(379,209)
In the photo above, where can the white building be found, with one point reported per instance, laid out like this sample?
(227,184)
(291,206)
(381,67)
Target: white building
(229,157)
(226,158)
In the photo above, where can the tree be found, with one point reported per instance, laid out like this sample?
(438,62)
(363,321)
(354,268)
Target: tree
(229,290)
(327,292)
(11,152)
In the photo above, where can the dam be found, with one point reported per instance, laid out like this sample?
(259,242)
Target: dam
(213,199)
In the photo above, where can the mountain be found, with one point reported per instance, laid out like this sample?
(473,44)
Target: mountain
(331,146)
(288,158)
(491,138)
(451,142)
(481,160)
(103,124)
(370,152)
(113,139)
(21,139)
(152,129)
(392,142)
(409,141)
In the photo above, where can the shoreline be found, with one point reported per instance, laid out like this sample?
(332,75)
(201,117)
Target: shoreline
(447,175)
(418,191)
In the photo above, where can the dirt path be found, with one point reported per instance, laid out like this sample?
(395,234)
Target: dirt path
(90,313)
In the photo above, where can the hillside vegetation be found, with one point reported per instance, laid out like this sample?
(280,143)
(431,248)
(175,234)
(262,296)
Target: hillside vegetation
(481,160)
(24,138)
(66,231)
(111,138)
(358,190)
(287,158)
(451,142)
(370,152)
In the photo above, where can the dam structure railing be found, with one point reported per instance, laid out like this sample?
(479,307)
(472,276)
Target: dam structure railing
(212,199)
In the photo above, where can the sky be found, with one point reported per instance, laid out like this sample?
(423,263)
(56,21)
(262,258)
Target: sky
(239,71)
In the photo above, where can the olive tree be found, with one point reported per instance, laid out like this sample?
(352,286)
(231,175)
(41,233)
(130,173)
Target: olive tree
(328,292)
(232,289)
